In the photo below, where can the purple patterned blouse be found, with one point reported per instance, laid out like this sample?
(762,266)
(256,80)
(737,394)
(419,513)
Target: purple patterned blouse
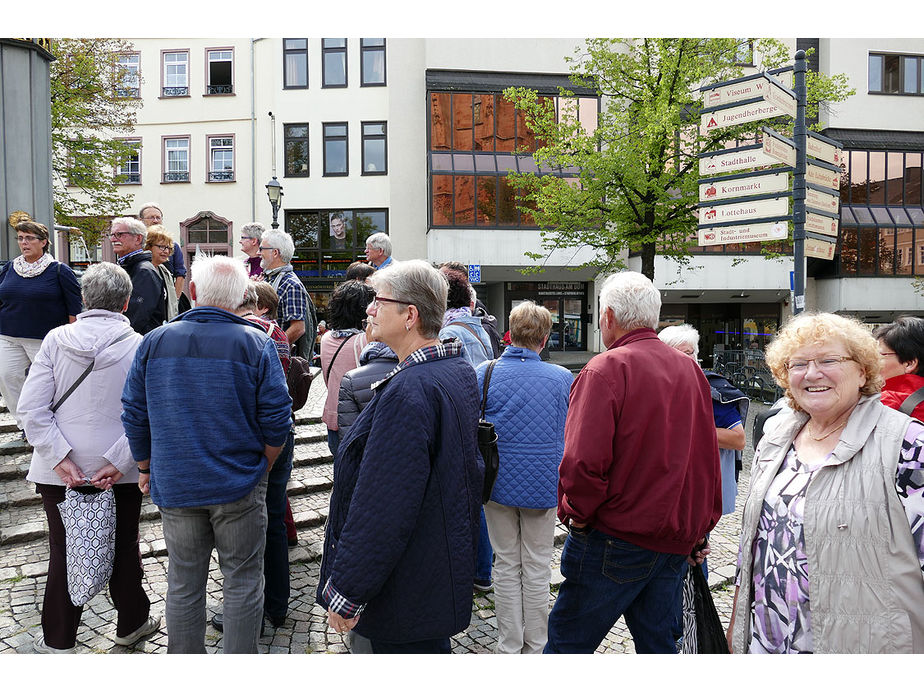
(781,616)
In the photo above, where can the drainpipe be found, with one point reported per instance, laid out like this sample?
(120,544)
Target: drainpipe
(253,135)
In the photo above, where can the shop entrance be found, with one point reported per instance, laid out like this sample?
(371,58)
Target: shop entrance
(566,301)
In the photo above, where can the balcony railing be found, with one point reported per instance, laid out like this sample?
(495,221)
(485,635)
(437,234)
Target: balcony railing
(220,89)
(176,177)
(220,176)
(176,91)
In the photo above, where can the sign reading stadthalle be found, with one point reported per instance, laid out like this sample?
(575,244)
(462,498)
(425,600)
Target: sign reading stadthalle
(724,188)
(728,160)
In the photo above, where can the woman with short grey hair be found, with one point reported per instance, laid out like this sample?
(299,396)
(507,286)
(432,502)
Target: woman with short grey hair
(79,443)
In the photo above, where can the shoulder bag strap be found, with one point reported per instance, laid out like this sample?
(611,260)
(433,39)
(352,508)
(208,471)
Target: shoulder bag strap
(913,400)
(331,364)
(83,376)
(487,381)
(462,324)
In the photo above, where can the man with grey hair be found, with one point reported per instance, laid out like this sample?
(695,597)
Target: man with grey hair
(296,309)
(147,307)
(378,250)
(251,234)
(639,484)
(205,459)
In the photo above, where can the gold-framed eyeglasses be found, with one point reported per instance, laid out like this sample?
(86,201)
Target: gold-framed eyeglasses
(825,363)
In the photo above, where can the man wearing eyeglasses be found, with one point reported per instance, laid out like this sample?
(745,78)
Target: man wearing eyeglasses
(150,215)
(147,307)
(296,309)
(250,243)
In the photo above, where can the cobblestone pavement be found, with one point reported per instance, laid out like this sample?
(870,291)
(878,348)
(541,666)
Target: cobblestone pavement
(24,555)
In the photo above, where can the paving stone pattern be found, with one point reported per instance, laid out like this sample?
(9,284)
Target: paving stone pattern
(24,558)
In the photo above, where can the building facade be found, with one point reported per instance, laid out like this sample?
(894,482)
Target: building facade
(411,137)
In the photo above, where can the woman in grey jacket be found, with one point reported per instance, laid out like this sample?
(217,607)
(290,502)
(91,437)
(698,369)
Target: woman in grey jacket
(82,444)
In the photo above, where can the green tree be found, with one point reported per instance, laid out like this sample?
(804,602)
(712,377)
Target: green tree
(637,186)
(94,100)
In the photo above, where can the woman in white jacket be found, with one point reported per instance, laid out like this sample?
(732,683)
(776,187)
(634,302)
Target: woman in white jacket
(82,445)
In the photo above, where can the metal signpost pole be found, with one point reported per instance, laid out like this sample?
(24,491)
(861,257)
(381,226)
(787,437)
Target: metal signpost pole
(798,185)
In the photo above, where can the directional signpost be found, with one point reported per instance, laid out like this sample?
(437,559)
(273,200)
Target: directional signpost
(754,206)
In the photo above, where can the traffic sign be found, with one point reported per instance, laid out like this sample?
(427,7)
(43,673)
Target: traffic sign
(744,233)
(740,211)
(474,274)
(820,249)
(820,223)
(728,160)
(738,186)
(736,114)
(778,147)
(824,149)
(823,176)
(821,201)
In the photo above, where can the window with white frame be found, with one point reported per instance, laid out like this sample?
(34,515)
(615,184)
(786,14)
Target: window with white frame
(128,171)
(220,71)
(128,75)
(175,73)
(334,62)
(176,159)
(295,63)
(372,57)
(221,159)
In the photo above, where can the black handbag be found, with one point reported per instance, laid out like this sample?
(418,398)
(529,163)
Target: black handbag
(702,628)
(487,442)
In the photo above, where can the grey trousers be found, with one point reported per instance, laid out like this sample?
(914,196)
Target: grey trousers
(238,531)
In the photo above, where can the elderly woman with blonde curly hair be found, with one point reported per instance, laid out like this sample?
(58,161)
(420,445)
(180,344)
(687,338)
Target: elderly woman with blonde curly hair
(832,539)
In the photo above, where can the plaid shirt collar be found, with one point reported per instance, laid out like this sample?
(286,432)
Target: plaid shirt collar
(446,348)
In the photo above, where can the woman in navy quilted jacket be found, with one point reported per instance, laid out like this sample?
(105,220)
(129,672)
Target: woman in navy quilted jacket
(527,403)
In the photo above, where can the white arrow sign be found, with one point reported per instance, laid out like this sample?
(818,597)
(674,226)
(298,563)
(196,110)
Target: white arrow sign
(816,248)
(821,224)
(823,202)
(823,151)
(756,85)
(739,211)
(824,177)
(779,150)
(747,233)
(728,161)
(736,115)
(739,187)
(782,99)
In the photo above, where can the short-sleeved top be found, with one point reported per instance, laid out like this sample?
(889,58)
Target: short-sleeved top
(726,415)
(781,616)
(30,307)
(177,264)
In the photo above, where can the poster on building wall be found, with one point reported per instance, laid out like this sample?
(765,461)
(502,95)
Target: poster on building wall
(338,230)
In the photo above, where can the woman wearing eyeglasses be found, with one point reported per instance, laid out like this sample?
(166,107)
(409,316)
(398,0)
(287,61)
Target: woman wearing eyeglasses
(399,548)
(832,539)
(161,247)
(37,294)
(901,346)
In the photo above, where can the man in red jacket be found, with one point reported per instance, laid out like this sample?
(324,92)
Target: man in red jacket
(639,485)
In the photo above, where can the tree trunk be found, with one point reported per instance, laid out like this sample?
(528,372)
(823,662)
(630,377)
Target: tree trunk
(648,258)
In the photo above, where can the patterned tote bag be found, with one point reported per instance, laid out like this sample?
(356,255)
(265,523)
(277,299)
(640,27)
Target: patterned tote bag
(89,529)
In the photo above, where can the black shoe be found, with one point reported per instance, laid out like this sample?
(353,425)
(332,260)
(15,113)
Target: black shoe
(275,622)
(218,623)
(293,541)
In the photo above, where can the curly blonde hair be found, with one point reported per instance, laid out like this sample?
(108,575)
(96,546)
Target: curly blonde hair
(818,328)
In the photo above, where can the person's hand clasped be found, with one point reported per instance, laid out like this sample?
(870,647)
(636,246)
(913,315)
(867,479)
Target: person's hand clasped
(69,473)
(106,477)
(699,553)
(339,624)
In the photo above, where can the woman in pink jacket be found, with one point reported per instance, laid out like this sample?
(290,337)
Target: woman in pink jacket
(341,346)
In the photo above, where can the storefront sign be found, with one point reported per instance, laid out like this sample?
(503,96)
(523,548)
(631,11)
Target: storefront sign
(739,187)
(746,233)
(740,211)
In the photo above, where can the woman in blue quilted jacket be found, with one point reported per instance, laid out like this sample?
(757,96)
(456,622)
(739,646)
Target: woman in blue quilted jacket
(527,401)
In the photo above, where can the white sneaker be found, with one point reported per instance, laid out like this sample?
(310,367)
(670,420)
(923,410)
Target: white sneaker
(41,648)
(148,627)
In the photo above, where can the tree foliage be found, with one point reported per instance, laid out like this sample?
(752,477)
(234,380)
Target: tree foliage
(638,170)
(90,109)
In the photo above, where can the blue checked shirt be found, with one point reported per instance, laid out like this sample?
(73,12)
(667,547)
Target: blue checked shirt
(293,299)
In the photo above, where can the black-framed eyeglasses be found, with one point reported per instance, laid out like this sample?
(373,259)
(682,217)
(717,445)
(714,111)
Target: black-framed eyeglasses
(164,247)
(119,234)
(365,323)
(378,299)
(26,239)
(262,248)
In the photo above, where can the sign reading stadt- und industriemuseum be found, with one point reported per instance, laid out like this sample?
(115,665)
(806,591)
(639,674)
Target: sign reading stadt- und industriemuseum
(744,233)
(738,186)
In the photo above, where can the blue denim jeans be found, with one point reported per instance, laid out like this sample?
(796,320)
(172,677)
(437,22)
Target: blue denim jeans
(238,531)
(333,441)
(606,578)
(484,556)
(276,558)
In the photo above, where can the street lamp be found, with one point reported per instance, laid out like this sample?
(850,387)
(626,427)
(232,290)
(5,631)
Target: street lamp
(274,193)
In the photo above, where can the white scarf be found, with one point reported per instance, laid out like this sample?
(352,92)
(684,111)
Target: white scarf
(32,269)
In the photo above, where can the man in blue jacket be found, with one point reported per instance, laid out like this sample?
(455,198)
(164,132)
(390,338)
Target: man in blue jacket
(204,450)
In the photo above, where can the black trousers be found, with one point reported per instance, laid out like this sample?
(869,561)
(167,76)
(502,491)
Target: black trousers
(60,618)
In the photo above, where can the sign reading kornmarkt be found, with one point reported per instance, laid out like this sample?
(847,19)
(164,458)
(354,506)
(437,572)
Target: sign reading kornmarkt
(740,211)
(738,186)
(737,159)
(744,233)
